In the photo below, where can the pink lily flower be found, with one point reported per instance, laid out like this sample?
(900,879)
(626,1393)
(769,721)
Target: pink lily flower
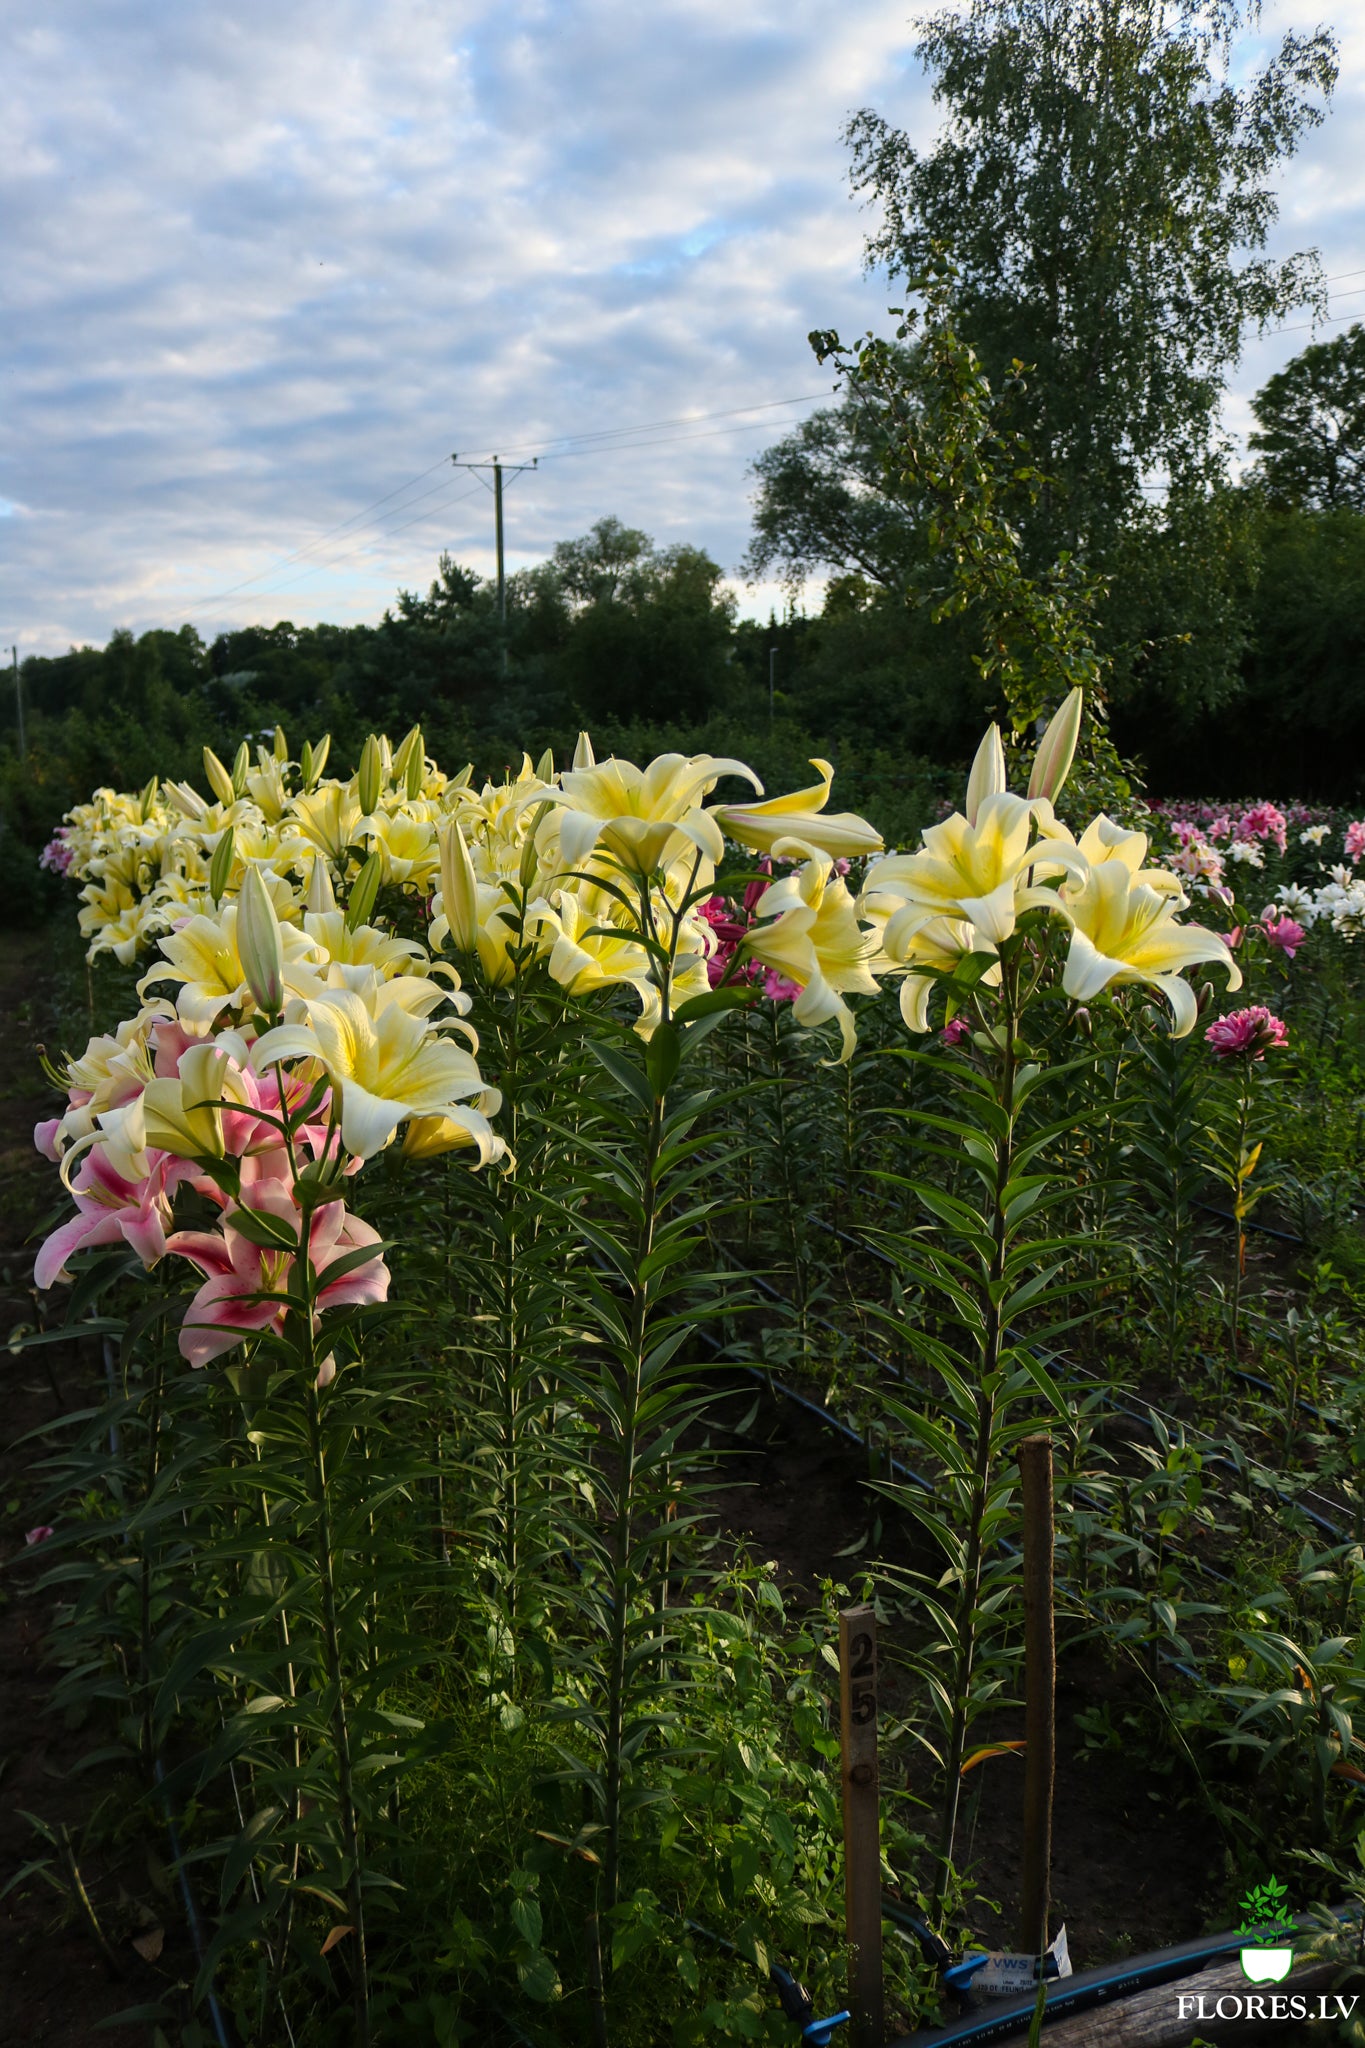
(1286,933)
(228,1308)
(108,1208)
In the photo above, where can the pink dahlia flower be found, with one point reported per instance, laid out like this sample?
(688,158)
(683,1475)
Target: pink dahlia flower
(1247,1034)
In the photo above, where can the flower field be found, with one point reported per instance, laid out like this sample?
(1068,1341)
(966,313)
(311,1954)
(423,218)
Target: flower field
(465,1180)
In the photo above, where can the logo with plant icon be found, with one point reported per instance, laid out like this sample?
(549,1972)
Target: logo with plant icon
(1267,1932)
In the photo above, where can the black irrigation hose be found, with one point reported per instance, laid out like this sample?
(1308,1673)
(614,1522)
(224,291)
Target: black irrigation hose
(1080,1993)
(1249,1223)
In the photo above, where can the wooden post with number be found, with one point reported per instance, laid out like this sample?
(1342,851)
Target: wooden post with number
(862,1832)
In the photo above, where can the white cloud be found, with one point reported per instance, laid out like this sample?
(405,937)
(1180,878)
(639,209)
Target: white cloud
(264,262)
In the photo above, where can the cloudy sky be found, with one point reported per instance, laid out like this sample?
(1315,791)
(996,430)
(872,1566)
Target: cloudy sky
(267,264)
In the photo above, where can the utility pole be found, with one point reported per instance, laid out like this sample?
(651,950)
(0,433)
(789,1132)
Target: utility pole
(19,702)
(497,523)
(500,470)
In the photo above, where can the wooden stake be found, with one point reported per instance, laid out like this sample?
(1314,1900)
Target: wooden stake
(1040,1690)
(862,1811)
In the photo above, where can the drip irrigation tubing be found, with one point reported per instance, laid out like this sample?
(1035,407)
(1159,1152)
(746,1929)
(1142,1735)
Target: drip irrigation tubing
(191,1909)
(1115,1401)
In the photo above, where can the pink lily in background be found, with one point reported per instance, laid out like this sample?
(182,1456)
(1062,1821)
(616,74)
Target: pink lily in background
(1286,933)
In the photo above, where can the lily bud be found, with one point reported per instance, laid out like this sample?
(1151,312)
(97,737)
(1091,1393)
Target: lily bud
(410,744)
(583,755)
(459,890)
(281,746)
(312,760)
(259,946)
(220,867)
(987,778)
(146,800)
(240,765)
(1057,748)
(220,782)
(187,801)
(369,776)
(321,895)
(364,890)
(545,766)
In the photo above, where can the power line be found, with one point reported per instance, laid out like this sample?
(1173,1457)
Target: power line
(600,434)
(242,593)
(331,530)
(603,437)
(285,589)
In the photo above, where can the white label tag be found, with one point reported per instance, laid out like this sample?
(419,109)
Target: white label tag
(1005,1974)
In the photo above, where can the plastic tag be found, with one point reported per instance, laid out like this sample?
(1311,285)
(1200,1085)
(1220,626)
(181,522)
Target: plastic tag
(1005,1974)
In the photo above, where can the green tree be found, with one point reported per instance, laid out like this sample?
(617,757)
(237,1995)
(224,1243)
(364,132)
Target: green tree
(649,629)
(1103,190)
(823,503)
(1311,437)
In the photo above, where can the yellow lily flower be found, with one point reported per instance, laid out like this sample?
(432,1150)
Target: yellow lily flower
(327,818)
(644,818)
(202,956)
(365,946)
(976,872)
(118,922)
(799,823)
(586,956)
(913,943)
(406,846)
(815,940)
(267,786)
(1124,930)
(386,1066)
(183,1115)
